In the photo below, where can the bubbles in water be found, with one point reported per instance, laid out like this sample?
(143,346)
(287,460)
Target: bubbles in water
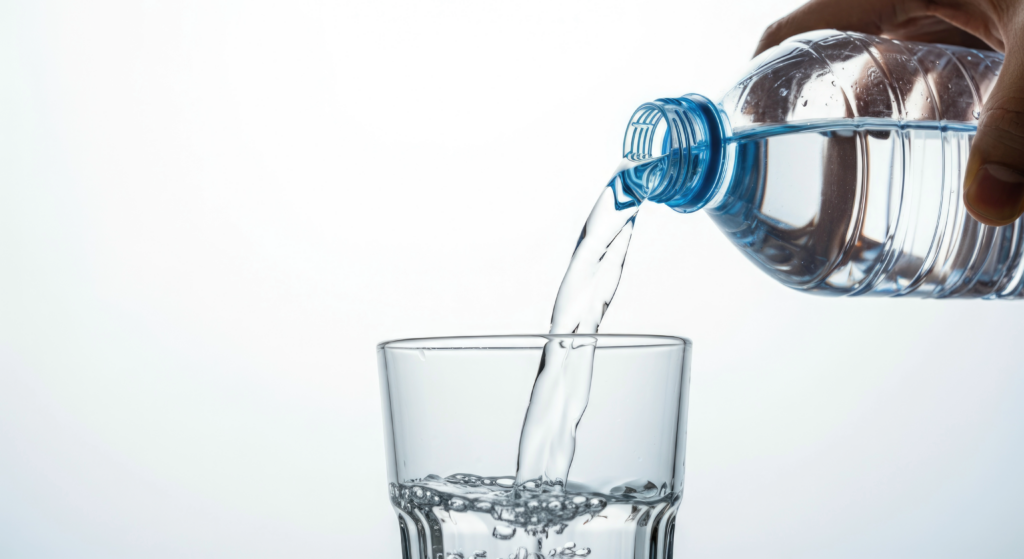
(503,532)
(568,549)
(531,485)
(547,512)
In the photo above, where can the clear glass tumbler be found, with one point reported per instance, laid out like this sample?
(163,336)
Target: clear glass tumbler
(453,414)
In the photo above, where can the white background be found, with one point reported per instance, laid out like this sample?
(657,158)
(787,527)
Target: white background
(210,213)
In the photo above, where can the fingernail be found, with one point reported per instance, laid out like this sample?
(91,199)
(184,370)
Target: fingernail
(996,193)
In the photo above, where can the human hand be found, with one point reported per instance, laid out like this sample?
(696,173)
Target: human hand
(994,181)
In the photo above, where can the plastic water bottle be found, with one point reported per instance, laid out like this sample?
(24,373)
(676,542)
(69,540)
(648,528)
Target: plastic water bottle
(836,163)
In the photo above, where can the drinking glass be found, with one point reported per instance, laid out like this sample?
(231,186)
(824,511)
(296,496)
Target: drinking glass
(453,413)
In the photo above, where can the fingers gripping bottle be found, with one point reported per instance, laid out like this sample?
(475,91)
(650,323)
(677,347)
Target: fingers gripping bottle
(836,166)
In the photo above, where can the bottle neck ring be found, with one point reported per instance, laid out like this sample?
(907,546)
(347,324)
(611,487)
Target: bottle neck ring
(690,132)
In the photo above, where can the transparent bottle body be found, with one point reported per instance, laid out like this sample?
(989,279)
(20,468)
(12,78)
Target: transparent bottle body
(843,162)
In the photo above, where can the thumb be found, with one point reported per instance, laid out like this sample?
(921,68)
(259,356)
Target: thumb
(994,181)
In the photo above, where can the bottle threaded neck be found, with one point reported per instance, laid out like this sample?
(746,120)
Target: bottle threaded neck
(689,131)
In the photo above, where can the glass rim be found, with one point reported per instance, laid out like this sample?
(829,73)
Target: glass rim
(534,341)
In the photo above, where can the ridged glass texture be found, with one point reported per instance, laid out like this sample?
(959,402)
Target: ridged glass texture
(845,156)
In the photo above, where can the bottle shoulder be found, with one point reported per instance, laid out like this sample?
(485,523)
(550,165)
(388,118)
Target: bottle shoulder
(830,75)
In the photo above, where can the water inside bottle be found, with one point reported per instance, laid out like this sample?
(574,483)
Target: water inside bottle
(851,207)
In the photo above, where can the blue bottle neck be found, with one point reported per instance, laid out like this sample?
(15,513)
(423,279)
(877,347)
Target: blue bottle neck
(690,131)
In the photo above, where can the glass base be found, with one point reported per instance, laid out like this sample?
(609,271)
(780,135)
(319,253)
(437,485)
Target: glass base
(619,531)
